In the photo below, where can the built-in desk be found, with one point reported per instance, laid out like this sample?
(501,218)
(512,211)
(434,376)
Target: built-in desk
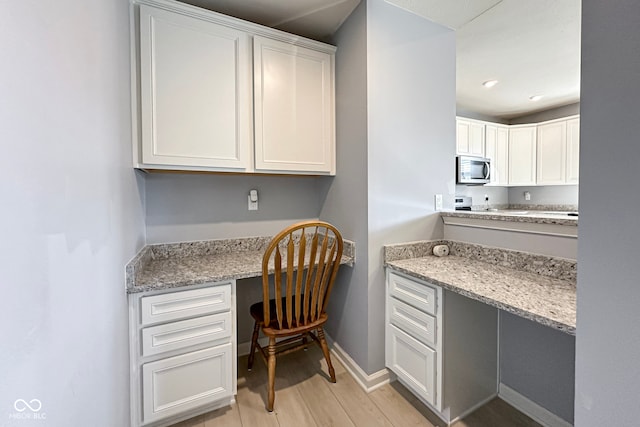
(442,323)
(182,325)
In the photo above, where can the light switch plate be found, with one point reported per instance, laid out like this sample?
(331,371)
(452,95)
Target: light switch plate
(438,202)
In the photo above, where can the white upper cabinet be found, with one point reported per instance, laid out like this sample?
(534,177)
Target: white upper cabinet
(293,94)
(204,101)
(573,151)
(552,149)
(195,99)
(522,155)
(497,150)
(470,137)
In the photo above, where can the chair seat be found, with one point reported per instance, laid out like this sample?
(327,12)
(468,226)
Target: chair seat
(257,312)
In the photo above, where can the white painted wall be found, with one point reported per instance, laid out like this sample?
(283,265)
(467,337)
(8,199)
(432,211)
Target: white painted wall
(72,211)
(608,338)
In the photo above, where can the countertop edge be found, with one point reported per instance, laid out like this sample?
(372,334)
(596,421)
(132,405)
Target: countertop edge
(562,327)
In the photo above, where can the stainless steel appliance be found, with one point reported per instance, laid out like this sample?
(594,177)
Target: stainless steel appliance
(473,170)
(462,203)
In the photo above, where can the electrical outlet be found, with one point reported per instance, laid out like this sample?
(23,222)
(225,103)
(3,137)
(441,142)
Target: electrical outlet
(527,195)
(438,202)
(253,206)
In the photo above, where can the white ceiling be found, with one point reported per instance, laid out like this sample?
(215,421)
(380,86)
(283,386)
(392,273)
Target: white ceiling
(531,47)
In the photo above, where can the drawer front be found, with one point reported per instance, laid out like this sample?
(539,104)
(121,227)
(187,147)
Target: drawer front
(416,294)
(183,304)
(421,326)
(185,333)
(413,362)
(178,384)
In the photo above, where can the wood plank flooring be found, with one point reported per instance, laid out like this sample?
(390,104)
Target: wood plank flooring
(305,397)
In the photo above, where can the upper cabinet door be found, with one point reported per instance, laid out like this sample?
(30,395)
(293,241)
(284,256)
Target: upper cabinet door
(470,138)
(195,90)
(573,150)
(552,148)
(293,107)
(522,155)
(497,149)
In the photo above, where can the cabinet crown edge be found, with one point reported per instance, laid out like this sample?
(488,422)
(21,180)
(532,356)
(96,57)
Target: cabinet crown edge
(236,23)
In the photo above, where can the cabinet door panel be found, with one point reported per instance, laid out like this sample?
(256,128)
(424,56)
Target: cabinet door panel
(497,149)
(573,151)
(185,304)
(174,385)
(463,128)
(293,108)
(476,139)
(185,333)
(551,160)
(413,362)
(522,156)
(195,83)
(419,325)
(421,296)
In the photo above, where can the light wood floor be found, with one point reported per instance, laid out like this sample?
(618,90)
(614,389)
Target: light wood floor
(304,397)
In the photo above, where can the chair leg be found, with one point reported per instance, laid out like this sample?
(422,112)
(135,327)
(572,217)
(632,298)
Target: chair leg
(272,373)
(305,340)
(325,350)
(254,341)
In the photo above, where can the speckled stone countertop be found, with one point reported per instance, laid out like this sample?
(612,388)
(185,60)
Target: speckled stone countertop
(174,265)
(536,287)
(512,215)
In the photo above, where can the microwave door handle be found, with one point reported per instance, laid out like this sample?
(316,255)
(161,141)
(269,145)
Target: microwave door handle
(487,169)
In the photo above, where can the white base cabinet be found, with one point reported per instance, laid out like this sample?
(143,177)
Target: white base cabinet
(183,352)
(442,346)
(215,93)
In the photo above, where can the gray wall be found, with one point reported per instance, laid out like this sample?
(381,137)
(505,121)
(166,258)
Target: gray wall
(187,207)
(608,338)
(72,213)
(396,104)
(497,195)
(545,195)
(346,201)
(411,83)
(538,362)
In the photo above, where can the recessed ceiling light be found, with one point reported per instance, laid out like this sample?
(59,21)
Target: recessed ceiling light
(535,98)
(490,83)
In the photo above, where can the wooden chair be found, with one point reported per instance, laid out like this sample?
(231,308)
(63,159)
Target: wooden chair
(303,260)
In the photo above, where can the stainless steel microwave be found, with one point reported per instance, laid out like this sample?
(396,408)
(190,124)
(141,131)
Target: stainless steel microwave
(473,170)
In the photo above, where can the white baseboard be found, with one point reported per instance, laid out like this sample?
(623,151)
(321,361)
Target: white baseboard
(530,408)
(368,382)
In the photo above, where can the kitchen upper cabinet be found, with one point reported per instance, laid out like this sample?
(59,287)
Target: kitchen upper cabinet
(497,150)
(293,93)
(551,152)
(573,151)
(470,136)
(558,152)
(194,93)
(214,93)
(522,155)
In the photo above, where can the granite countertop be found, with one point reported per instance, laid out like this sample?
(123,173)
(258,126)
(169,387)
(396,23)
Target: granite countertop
(517,215)
(538,288)
(174,265)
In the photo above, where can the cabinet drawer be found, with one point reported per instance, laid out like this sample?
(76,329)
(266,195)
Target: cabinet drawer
(419,325)
(183,304)
(413,293)
(413,362)
(177,384)
(176,335)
